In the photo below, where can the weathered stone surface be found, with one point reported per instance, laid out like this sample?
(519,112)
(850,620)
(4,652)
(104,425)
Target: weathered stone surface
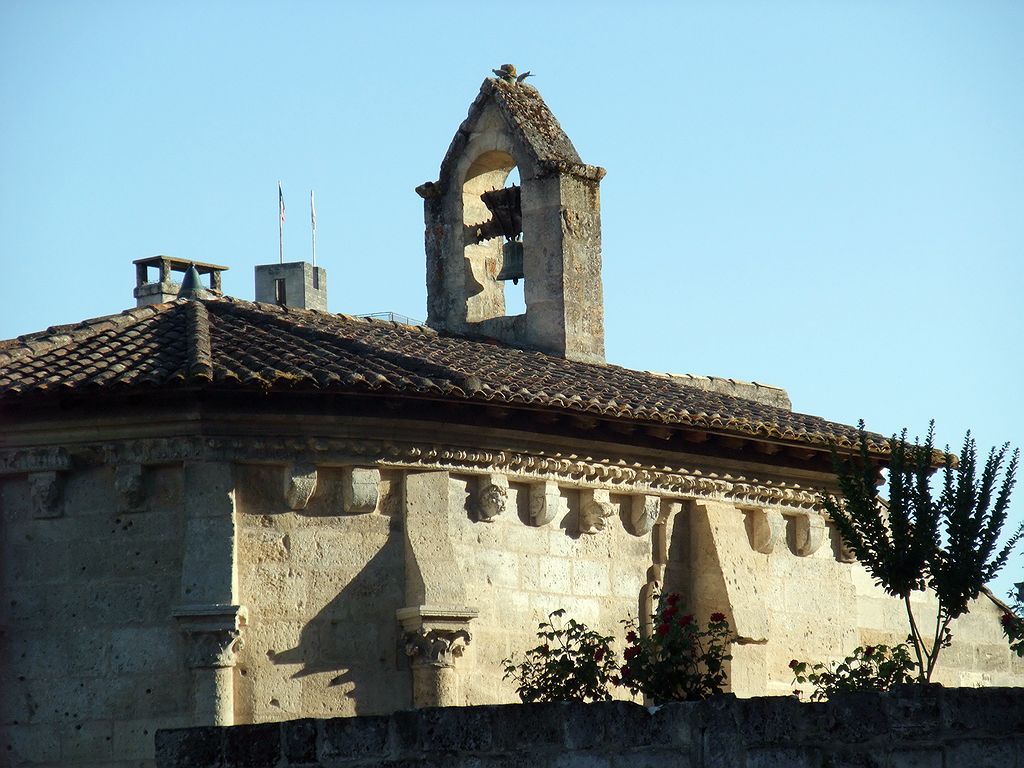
(725,731)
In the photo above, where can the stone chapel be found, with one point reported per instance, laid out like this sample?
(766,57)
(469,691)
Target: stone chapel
(220,511)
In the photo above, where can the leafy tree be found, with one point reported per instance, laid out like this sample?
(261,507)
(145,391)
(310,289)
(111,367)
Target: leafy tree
(916,541)
(1013,624)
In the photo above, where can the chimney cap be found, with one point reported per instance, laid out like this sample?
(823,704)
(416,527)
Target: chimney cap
(180,265)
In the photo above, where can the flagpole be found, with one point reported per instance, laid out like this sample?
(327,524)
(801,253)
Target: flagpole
(280,224)
(312,216)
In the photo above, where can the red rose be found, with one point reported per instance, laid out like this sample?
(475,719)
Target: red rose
(869,652)
(663,629)
(669,612)
(672,599)
(794,664)
(625,671)
(630,652)
(718,617)
(599,654)
(688,618)
(631,636)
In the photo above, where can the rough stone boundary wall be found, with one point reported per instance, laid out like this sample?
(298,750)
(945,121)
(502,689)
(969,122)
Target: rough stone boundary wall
(928,728)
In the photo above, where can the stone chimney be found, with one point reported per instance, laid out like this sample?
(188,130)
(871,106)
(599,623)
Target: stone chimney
(164,287)
(474,241)
(296,284)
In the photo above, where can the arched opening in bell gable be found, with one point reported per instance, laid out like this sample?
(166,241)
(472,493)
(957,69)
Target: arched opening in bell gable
(492,217)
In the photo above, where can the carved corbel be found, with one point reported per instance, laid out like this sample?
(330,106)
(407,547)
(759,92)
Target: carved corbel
(129,487)
(47,490)
(843,552)
(299,485)
(360,489)
(212,634)
(644,513)
(595,509)
(810,533)
(544,502)
(767,530)
(491,497)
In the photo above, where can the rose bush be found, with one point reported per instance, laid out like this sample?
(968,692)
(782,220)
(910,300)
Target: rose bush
(678,661)
(573,663)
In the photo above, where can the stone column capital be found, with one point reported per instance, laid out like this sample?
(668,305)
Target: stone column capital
(212,634)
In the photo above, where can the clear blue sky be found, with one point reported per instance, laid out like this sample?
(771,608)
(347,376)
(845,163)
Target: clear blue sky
(823,196)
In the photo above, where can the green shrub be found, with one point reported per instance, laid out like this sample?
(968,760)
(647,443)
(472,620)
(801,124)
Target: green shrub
(573,663)
(870,668)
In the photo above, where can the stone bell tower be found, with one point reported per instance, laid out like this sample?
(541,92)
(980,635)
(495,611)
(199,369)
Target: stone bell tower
(480,233)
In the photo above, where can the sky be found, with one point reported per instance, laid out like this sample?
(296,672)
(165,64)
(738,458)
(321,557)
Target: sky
(827,197)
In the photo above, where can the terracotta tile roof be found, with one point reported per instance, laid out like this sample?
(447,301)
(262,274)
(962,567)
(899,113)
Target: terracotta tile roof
(229,343)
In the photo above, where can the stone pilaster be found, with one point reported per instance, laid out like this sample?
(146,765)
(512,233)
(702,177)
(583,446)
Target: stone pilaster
(208,613)
(435,623)
(212,639)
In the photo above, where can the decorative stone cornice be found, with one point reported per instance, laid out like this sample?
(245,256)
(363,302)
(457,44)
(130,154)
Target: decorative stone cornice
(49,459)
(618,476)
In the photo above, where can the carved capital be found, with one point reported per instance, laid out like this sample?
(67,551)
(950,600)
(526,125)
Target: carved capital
(544,502)
(595,509)
(436,647)
(360,490)
(212,634)
(810,533)
(644,513)
(491,497)
(299,485)
(128,485)
(435,636)
(47,490)
(767,530)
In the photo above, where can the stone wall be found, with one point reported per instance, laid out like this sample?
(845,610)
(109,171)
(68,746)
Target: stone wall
(321,586)
(91,658)
(910,728)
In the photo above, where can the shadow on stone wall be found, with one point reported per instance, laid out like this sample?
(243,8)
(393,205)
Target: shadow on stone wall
(355,636)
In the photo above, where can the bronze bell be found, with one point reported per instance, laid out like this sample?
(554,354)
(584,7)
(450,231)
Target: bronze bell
(511,262)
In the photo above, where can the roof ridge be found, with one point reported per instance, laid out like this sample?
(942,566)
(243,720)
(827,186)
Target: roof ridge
(301,313)
(55,337)
(197,337)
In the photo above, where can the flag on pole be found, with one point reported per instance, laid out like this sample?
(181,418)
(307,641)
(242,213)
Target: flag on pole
(312,218)
(280,201)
